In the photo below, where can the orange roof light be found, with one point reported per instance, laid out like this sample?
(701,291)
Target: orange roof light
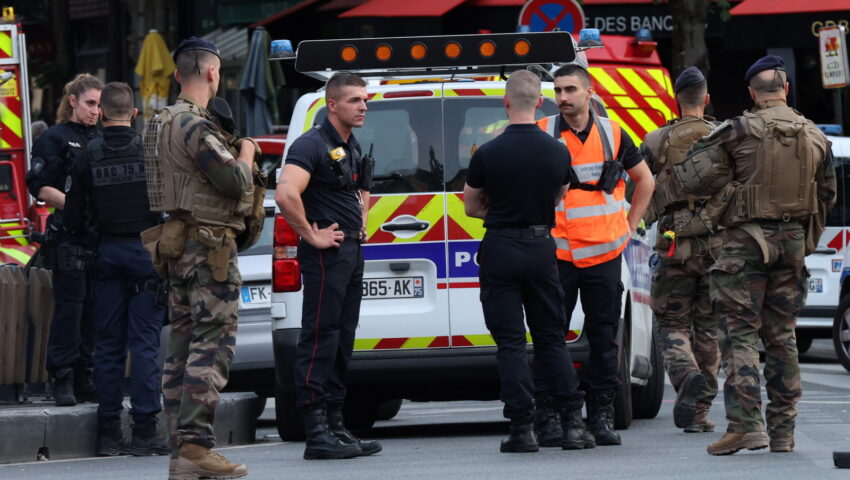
(348,53)
(522,47)
(383,52)
(452,50)
(418,51)
(487,48)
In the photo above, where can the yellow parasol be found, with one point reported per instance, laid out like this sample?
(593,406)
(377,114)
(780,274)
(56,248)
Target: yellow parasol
(155,66)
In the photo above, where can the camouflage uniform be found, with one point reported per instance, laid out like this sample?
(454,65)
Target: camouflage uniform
(687,328)
(758,283)
(203,299)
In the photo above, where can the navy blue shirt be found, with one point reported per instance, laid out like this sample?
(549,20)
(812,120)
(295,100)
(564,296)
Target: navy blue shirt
(521,171)
(323,203)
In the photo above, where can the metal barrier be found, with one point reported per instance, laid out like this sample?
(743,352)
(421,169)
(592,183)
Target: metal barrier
(26,309)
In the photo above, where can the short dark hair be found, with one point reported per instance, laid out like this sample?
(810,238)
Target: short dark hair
(773,83)
(341,80)
(692,96)
(192,62)
(116,100)
(573,70)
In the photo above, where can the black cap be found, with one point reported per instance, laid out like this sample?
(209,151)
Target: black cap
(768,62)
(195,43)
(688,78)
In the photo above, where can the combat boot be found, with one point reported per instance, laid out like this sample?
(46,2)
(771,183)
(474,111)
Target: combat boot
(196,461)
(701,422)
(730,443)
(110,438)
(63,387)
(84,389)
(547,424)
(576,435)
(600,413)
(321,443)
(146,441)
(337,426)
(522,438)
(782,444)
(684,409)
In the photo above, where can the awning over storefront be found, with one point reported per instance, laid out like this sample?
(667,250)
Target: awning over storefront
(785,7)
(396,8)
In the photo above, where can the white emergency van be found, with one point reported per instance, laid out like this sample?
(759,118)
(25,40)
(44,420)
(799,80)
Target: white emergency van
(421,334)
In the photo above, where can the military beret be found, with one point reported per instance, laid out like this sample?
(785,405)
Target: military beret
(767,62)
(195,43)
(688,78)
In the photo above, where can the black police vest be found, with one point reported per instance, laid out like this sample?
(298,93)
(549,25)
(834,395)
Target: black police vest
(119,196)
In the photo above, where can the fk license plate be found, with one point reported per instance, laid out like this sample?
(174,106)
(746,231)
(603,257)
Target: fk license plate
(815,285)
(396,287)
(255,295)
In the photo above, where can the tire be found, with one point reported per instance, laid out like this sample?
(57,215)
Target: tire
(841,332)
(804,341)
(388,409)
(260,405)
(359,411)
(290,427)
(623,400)
(646,400)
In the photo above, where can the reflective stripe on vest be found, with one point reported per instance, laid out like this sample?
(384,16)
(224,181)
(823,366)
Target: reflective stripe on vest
(590,226)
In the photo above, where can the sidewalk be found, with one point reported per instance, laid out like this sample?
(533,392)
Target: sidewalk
(41,428)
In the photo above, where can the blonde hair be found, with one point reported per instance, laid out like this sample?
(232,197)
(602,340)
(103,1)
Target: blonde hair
(523,89)
(76,87)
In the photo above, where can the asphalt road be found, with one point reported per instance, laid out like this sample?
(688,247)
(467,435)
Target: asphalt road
(460,440)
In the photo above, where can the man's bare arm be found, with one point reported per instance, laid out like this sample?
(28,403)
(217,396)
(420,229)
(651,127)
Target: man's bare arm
(364,213)
(474,202)
(644,186)
(293,181)
(52,196)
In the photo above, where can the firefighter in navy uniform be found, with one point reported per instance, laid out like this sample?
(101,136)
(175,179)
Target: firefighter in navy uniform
(518,266)
(323,193)
(108,195)
(71,341)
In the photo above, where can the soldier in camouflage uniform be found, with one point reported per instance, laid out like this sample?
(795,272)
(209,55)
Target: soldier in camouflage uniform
(783,184)
(206,189)
(686,325)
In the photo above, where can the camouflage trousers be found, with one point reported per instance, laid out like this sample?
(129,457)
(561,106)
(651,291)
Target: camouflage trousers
(750,296)
(687,329)
(203,315)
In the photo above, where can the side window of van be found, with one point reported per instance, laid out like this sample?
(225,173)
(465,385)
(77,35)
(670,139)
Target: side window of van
(404,136)
(837,216)
(471,122)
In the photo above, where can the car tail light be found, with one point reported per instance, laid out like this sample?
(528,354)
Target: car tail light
(286,273)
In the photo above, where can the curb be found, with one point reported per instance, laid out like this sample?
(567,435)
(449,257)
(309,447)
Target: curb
(71,432)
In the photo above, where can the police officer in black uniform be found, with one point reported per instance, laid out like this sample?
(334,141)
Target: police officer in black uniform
(71,341)
(514,183)
(108,195)
(323,193)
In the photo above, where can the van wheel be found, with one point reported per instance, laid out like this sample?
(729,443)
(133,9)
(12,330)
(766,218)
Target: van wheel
(646,400)
(804,341)
(360,411)
(623,400)
(388,409)
(290,427)
(841,332)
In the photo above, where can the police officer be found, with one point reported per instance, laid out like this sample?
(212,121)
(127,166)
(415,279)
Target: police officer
(591,231)
(783,184)
(71,340)
(323,193)
(206,189)
(686,325)
(108,184)
(517,265)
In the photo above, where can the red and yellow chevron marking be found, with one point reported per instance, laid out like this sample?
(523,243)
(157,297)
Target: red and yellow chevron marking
(11,125)
(19,255)
(6,44)
(14,233)
(640,99)
(426,208)
(438,341)
(474,92)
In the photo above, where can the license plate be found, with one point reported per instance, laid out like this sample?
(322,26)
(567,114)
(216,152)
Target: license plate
(256,295)
(815,285)
(396,287)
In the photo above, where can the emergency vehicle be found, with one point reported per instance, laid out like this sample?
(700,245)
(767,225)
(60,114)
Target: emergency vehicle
(20,215)
(833,243)
(432,102)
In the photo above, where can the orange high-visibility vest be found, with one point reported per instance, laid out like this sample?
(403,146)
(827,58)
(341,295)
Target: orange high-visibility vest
(590,226)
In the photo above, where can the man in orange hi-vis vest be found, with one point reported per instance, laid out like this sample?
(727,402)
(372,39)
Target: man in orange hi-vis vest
(591,231)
